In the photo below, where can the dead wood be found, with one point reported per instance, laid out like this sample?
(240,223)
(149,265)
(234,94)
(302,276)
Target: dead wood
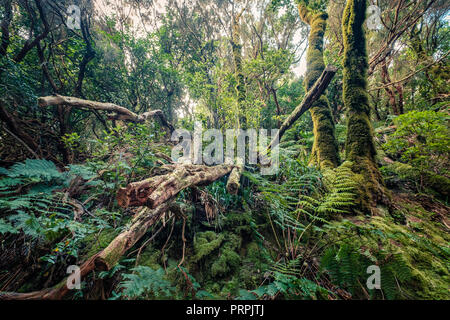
(120,113)
(104,260)
(156,190)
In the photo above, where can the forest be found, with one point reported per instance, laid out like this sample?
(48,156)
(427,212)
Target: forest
(224,150)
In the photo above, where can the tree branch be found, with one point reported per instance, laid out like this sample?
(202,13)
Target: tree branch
(314,94)
(122,113)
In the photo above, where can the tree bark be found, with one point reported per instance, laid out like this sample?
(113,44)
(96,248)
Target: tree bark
(237,60)
(360,147)
(156,190)
(386,79)
(104,260)
(121,113)
(111,255)
(313,94)
(325,151)
(233,183)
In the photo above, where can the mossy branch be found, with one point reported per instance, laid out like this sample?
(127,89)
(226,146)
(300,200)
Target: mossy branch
(313,95)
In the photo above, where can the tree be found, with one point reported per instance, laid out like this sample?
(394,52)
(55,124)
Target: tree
(360,147)
(325,149)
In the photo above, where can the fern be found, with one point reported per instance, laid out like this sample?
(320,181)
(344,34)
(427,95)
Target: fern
(145,282)
(31,205)
(347,267)
(340,195)
(7,227)
(42,170)
(290,287)
(282,195)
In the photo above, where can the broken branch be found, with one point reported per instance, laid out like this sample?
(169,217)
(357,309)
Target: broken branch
(156,190)
(234,179)
(104,260)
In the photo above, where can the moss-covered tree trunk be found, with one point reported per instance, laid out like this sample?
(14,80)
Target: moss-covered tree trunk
(360,146)
(325,153)
(237,60)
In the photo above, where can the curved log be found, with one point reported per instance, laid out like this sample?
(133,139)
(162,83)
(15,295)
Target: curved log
(103,260)
(122,113)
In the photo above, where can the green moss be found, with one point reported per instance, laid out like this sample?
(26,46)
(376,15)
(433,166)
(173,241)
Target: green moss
(97,242)
(439,184)
(228,262)
(205,243)
(356,100)
(231,287)
(150,258)
(325,152)
(421,243)
(239,222)
(360,147)
(254,264)
(371,188)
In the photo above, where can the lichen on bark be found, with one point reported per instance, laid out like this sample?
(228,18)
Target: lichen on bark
(325,153)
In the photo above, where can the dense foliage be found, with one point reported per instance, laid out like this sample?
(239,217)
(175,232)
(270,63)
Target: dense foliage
(363,179)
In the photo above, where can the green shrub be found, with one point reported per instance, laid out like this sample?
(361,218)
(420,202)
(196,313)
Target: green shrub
(422,139)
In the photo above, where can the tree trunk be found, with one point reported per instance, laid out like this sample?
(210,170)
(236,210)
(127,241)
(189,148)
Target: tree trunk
(156,193)
(325,151)
(156,190)
(237,59)
(386,79)
(234,179)
(121,113)
(104,260)
(360,147)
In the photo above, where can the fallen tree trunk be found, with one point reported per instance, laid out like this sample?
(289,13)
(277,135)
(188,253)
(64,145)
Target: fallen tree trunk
(111,255)
(156,193)
(122,113)
(316,91)
(156,190)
